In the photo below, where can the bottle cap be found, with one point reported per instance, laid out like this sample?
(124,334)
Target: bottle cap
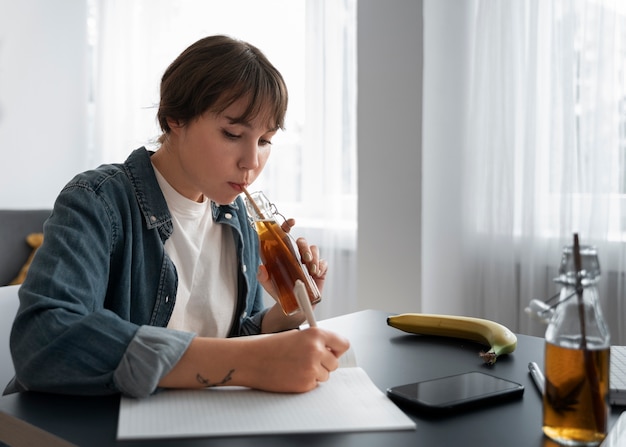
(590,270)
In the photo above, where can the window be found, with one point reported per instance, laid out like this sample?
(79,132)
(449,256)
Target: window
(588,170)
(536,101)
(311,174)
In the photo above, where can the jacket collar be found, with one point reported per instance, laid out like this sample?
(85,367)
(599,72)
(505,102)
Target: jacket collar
(149,196)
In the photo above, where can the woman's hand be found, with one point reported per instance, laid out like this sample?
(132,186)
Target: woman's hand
(296,361)
(310,256)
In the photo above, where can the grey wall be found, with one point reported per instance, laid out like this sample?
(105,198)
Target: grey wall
(389,154)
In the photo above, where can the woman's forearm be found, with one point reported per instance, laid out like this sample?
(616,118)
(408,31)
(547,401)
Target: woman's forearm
(292,361)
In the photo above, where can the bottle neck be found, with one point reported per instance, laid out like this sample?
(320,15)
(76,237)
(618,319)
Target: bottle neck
(259,208)
(578,315)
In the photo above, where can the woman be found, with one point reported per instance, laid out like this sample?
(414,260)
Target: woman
(149,271)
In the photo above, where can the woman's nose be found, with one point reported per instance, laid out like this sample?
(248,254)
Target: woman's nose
(249,157)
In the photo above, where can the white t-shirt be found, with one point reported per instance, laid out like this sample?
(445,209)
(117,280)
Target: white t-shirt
(205,259)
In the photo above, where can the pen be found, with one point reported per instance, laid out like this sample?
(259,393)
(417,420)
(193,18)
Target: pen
(303,301)
(537,376)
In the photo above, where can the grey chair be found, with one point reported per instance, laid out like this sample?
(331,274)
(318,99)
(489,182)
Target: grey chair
(15,225)
(9,303)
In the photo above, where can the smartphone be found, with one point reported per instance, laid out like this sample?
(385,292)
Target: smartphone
(454,393)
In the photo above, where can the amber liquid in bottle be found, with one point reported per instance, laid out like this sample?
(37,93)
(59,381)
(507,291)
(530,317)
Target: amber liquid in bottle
(570,415)
(283,265)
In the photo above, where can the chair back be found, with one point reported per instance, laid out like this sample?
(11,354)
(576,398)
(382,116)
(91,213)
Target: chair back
(9,302)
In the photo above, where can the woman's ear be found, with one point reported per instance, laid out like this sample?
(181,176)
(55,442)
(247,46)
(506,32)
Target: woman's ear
(174,125)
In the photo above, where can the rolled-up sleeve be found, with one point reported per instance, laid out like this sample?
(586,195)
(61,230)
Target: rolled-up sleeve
(151,355)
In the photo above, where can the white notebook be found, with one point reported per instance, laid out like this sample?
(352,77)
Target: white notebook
(348,401)
(617,378)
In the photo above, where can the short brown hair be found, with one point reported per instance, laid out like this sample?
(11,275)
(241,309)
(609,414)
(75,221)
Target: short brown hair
(213,73)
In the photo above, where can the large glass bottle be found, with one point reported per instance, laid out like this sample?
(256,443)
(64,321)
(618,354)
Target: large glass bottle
(279,254)
(575,401)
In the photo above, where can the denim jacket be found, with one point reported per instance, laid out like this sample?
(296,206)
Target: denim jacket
(101,289)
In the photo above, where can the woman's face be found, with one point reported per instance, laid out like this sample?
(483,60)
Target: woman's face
(214,156)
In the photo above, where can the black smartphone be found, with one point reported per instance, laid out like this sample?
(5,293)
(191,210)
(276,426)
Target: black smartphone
(454,393)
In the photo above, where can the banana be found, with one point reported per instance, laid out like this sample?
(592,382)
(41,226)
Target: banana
(498,337)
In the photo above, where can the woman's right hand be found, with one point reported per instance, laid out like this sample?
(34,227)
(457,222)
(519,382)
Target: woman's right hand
(296,361)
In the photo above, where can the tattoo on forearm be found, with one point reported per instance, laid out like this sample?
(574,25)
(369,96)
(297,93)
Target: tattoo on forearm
(208,383)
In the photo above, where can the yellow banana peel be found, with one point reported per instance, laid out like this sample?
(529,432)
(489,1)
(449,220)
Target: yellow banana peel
(495,335)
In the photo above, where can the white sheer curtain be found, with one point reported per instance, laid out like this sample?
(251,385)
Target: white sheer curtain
(538,110)
(312,172)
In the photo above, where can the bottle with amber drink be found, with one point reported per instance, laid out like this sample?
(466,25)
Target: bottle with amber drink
(575,401)
(279,254)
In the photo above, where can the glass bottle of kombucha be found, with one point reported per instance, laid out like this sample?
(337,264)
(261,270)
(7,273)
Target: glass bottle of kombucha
(279,254)
(575,401)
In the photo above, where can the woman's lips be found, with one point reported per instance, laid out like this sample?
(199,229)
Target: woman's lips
(237,186)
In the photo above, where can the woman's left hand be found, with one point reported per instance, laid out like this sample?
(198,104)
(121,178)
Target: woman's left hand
(310,256)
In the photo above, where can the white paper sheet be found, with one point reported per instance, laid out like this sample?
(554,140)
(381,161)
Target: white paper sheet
(617,436)
(348,401)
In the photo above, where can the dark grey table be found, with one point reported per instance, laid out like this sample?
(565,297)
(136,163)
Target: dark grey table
(390,357)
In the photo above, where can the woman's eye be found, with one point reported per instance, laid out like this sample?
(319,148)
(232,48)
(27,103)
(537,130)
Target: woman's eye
(265,142)
(232,136)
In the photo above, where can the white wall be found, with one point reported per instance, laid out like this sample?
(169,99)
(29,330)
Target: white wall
(389,154)
(42,99)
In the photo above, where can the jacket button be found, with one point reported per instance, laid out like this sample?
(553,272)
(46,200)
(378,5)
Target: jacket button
(153,218)
(244,268)
(244,315)
(167,299)
(228,216)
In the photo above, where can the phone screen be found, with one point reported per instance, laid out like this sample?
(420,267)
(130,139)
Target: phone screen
(458,391)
